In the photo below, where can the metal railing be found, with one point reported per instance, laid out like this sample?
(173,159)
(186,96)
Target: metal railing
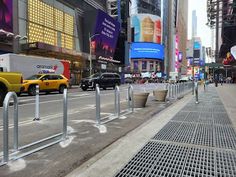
(14,155)
(117,105)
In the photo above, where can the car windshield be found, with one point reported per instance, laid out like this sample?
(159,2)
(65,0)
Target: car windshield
(94,75)
(34,77)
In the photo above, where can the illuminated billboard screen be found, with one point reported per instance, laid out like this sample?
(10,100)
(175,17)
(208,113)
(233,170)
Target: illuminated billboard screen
(147,28)
(6,15)
(105,36)
(147,50)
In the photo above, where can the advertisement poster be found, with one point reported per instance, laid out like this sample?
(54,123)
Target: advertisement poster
(105,37)
(6,22)
(147,28)
(147,50)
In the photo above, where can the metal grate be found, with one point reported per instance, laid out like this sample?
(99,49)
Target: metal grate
(225,163)
(219,109)
(207,109)
(142,162)
(171,162)
(180,116)
(221,118)
(192,117)
(225,137)
(200,162)
(168,131)
(204,135)
(185,133)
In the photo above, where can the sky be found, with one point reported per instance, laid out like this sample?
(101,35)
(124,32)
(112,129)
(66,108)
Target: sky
(203,31)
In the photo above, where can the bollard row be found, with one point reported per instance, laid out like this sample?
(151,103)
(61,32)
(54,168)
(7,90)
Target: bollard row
(116,102)
(176,91)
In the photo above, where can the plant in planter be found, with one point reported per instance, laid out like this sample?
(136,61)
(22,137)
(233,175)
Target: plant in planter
(140,99)
(160,95)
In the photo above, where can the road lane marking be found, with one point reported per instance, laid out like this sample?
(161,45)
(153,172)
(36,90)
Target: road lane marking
(53,116)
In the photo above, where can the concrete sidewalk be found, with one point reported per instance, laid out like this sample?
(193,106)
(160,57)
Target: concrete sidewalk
(185,139)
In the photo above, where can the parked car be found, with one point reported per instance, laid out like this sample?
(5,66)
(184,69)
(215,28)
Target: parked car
(47,83)
(104,80)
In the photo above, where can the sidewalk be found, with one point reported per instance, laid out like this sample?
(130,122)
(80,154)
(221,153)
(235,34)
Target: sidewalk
(183,140)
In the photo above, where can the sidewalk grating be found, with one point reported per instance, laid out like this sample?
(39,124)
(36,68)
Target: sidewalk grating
(171,162)
(204,135)
(200,162)
(168,131)
(225,163)
(185,133)
(221,118)
(199,141)
(180,116)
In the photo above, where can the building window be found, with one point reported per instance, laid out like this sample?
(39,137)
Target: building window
(135,65)
(50,25)
(151,65)
(144,65)
(158,66)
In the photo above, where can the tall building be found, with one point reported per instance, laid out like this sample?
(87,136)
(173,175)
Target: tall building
(181,34)
(194,23)
(146,50)
(172,22)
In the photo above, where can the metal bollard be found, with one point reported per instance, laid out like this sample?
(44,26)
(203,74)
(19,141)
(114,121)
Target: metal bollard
(98,105)
(131,98)
(117,101)
(196,91)
(6,122)
(178,90)
(172,91)
(169,87)
(37,117)
(175,90)
(65,108)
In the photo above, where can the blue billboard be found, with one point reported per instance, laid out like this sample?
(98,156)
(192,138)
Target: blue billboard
(147,50)
(196,45)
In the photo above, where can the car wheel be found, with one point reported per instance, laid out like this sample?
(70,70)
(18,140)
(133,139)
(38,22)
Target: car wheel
(32,90)
(61,88)
(2,96)
(84,88)
(18,94)
(104,88)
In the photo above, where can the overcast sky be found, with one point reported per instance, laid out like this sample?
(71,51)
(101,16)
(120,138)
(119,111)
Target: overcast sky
(203,31)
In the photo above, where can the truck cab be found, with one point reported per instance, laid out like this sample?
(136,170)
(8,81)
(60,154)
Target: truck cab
(10,82)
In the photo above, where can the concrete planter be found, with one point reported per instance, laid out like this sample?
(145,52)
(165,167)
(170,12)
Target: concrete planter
(140,99)
(160,95)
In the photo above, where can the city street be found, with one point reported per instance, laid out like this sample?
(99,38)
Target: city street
(85,138)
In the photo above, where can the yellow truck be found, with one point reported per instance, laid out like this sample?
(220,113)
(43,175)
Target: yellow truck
(10,82)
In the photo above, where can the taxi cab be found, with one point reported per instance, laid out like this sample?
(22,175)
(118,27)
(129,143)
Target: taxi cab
(47,83)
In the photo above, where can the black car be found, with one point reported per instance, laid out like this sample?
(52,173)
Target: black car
(104,80)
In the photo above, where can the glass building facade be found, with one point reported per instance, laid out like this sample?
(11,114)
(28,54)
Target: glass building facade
(50,25)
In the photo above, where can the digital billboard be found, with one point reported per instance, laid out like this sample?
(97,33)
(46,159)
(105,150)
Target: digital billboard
(6,21)
(147,28)
(147,50)
(105,37)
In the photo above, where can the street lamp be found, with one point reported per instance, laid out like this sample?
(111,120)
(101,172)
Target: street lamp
(90,52)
